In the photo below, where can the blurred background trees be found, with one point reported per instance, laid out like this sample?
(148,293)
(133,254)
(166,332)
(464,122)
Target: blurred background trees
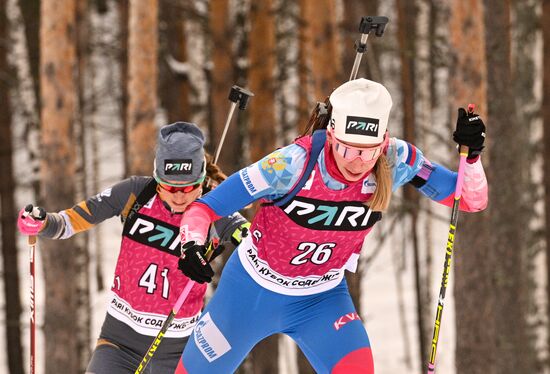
(85,84)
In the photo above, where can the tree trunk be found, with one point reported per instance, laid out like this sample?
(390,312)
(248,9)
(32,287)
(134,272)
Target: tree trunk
(475,333)
(174,84)
(260,77)
(142,85)
(320,57)
(264,357)
(526,54)
(406,34)
(196,32)
(305,97)
(545,21)
(221,81)
(27,17)
(506,248)
(82,279)
(30,10)
(58,94)
(324,51)
(124,17)
(8,211)
(286,81)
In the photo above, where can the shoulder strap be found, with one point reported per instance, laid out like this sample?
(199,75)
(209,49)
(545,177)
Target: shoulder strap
(317,143)
(143,198)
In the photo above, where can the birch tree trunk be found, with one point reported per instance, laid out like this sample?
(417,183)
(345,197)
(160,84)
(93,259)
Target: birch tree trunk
(526,58)
(25,25)
(196,30)
(406,34)
(82,279)
(545,21)
(287,66)
(8,210)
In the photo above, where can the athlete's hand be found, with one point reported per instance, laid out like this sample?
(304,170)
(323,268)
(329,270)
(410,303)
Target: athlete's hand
(193,263)
(30,220)
(470,131)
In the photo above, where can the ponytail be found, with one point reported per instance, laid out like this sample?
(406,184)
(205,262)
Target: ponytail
(213,173)
(319,118)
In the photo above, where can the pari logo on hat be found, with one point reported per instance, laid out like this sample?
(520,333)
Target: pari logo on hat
(180,153)
(176,167)
(360,111)
(362,126)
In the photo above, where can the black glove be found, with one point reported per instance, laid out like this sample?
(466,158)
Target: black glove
(193,263)
(470,131)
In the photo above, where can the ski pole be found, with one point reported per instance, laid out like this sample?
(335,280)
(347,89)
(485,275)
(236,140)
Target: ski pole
(367,24)
(463,151)
(152,349)
(158,339)
(32,246)
(236,95)
(39,214)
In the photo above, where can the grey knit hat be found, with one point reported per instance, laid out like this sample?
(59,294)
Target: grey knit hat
(180,154)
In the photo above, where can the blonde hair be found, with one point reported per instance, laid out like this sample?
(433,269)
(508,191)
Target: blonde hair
(380,199)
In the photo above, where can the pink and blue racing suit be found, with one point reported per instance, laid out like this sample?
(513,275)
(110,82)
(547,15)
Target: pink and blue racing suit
(288,274)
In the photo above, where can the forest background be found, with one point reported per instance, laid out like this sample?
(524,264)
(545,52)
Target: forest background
(85,84)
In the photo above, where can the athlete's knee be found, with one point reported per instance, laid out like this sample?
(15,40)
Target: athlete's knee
(358,361)
(180,369)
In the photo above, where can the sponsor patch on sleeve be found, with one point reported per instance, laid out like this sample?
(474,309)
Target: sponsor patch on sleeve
(253,180)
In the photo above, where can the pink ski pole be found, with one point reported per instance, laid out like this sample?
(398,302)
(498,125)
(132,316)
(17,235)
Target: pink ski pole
(151,351)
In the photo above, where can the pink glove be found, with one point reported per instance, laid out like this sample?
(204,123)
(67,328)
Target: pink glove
(31,220)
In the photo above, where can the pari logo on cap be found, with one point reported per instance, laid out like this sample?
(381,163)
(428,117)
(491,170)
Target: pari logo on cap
(362,126)
(178,167)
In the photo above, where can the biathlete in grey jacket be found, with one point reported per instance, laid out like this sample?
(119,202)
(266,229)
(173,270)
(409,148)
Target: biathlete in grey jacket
(147,282)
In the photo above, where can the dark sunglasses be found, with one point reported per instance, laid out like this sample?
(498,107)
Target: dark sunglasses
(184,189)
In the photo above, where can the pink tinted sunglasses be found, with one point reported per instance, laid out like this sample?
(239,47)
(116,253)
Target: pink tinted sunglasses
(350,153)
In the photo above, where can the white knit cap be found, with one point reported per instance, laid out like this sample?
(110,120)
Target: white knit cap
(360,111)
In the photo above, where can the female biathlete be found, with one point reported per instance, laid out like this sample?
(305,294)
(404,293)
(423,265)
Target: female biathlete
(146,282)
(287,276)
